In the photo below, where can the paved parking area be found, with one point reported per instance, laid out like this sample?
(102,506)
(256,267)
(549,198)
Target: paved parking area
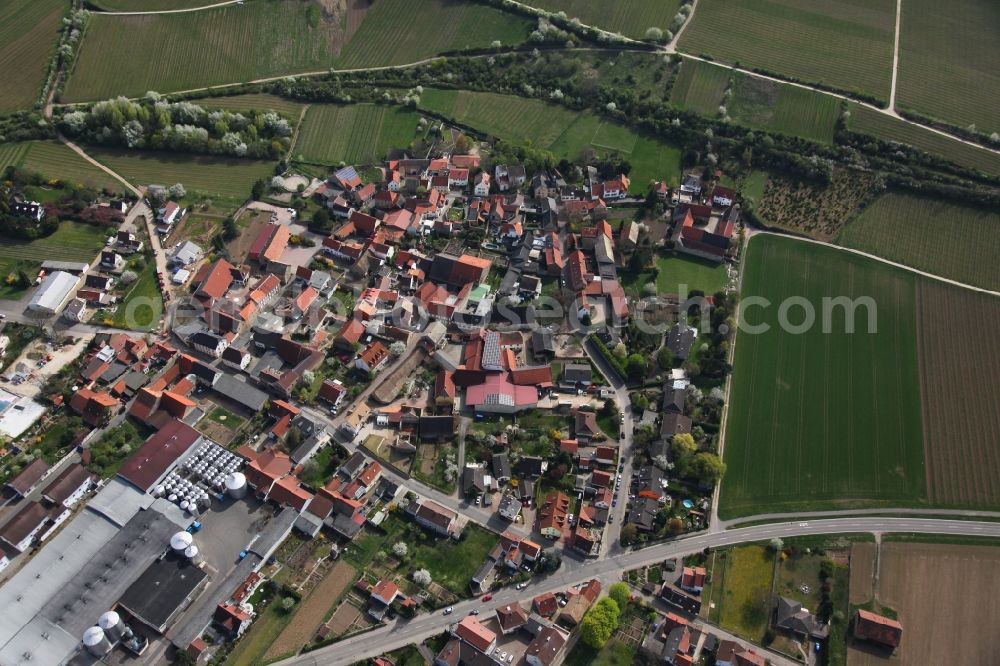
(227,528)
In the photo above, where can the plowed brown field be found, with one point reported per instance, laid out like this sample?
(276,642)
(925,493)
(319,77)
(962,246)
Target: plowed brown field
(958,347)
(945,596)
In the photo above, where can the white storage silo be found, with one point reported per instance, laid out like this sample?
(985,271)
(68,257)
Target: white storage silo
(96,642)
(193,554)
(180,541)
(112,625)
(236,485)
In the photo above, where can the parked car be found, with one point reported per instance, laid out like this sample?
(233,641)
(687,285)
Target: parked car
(449,610)
(488,597)
(520,586)
(474,611)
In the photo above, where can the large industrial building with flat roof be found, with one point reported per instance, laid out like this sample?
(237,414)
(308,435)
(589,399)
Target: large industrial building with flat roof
(54,292)
(163,590)
(116,554)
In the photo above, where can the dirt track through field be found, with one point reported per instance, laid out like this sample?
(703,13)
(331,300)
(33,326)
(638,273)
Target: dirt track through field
(862,570)
(959,359)
(312,611)
(946,598)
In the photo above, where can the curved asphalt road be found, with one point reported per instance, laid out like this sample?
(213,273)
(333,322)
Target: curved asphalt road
(400,633)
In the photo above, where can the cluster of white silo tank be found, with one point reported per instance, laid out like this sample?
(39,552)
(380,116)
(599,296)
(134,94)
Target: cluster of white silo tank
(182,543)
(189,495)
(211,463)
(108,631)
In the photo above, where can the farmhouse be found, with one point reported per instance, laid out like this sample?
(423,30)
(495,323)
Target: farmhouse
(877,629)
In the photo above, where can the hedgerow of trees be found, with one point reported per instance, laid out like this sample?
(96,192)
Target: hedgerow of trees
(156,124)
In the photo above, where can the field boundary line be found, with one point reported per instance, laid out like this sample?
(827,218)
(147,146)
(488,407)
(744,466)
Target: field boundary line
(186,10)
(298,128)
(895,59)
(672,46)
(869,105)
(883,260)
(80,151)
(853,513)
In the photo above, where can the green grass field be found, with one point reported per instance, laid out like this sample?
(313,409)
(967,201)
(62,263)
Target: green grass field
(253,102)
(551,127)
(763,104)
(356,134)
(396,32)
(29,32)
(749,570)
(820,419)
(694,273)
(128,55)
(949,61)
(199,173)
(631,18)
(614,653)
(842,43)
(73,241)
(700,86)
(12,154)
(54,160)
(879,125)
(142,306)
(956,242)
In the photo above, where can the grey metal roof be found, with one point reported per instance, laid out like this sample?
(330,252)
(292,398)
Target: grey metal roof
(249,396)
(54,291)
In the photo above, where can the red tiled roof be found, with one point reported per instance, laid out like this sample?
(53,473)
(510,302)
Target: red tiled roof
(351,331)
(158,454)
(474,633)
(215,280)
(545,604)
(370,474)
(289,491)
(534,376)
(878,628)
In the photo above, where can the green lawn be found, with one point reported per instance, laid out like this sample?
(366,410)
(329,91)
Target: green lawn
(752,187)
(219,176)
(356,134)
(115,446)
(267,625)
(396,32)
(55,161)
(11,154)
(778,107)
(743,602)
(73,241)
(450,563)
(142,306)
(700,87)
(614,653)
(29,32)
(630,18)
(823,418)
(868,121)
(321,467)
(555,128)
(957,242)
(949,61)
(842,43)
(693,273)
(171,52)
